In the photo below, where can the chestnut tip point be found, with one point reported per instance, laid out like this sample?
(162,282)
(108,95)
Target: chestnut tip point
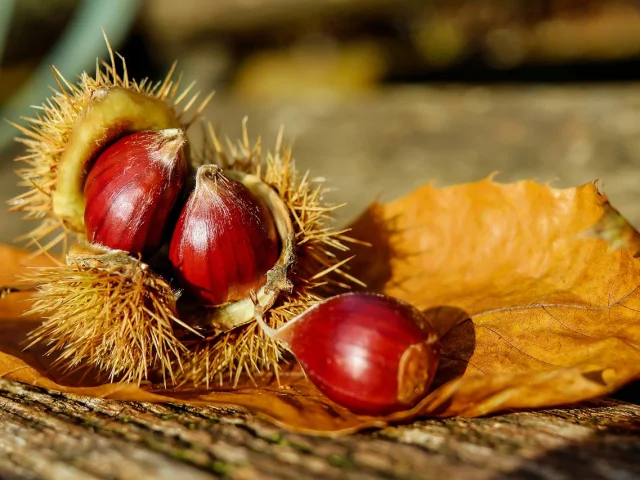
(173,136)
(168,145)
(209,173)
(171,133)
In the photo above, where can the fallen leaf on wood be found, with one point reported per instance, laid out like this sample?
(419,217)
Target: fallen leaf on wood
(535,293)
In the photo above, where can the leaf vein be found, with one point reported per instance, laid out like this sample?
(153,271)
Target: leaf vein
(501,337)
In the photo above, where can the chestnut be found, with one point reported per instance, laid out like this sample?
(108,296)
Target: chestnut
(131,190)
(225,240)
(370,353)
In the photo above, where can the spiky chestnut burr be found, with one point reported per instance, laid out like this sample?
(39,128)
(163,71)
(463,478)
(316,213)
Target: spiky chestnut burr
(73,127)
(318,258)
(370,353)
(235,345)
(234,236)
(116,312)
(107,310)
(132,188)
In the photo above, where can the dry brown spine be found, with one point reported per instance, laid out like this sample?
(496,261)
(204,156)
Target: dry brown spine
(109,311)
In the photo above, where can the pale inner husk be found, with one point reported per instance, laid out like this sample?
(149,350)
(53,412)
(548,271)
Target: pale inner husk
(111,112)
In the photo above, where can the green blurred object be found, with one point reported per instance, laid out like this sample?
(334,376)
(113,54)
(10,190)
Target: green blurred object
(75,50)
(6,11)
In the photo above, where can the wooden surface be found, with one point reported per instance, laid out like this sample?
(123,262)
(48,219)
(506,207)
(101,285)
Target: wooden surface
(52,436)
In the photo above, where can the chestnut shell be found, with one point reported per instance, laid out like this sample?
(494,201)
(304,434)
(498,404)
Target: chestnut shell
(370,353)
(132,188)
(225,240)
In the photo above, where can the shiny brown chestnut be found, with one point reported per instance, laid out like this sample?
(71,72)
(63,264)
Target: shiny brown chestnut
(225,240)
(132,188)
(370,353)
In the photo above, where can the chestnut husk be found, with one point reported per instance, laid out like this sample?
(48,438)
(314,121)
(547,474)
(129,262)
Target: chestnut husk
(85,120)
(253,217)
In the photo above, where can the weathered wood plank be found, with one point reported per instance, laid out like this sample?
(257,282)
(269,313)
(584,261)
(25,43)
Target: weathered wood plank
(47,435)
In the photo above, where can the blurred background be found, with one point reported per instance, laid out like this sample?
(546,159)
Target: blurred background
(379,96)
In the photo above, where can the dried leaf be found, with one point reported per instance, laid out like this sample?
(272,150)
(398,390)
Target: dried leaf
(533,307)
(15,261)
(534,291)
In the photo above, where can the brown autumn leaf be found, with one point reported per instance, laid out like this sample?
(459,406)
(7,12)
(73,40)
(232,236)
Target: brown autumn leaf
(534,291)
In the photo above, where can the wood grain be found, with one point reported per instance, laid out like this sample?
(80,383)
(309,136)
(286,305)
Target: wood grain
(46,435)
